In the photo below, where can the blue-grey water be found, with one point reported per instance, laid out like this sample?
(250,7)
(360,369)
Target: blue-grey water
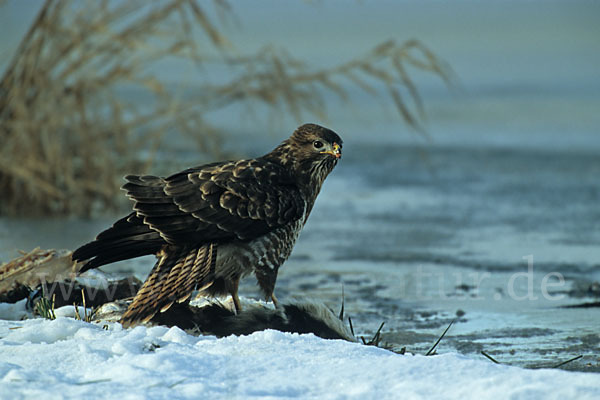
(494,217)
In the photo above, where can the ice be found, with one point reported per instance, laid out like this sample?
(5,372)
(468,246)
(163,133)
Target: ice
(66,358)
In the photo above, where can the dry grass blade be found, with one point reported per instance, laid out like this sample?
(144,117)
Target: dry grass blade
(341,315)
(492,359)
(567,361)
(76,310)
(212,31)
(431,63)
(351,327)
(405,78)
(489,357)
(86,317)
(431,351)
(45,308)
(376,339)
(403,109)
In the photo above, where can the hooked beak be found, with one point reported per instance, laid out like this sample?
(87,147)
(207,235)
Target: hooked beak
(335,151)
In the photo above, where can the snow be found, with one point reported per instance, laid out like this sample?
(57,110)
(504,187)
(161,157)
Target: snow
(67,358)
(14,311)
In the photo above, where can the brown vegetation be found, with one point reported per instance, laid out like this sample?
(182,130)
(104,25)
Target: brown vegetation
(68,133)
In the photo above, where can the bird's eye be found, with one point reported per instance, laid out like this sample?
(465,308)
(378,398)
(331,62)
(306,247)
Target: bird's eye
(318,144)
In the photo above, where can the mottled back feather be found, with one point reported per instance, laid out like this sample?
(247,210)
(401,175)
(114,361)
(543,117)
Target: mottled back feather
(231,200)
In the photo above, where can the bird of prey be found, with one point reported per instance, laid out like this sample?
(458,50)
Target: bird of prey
(211,225)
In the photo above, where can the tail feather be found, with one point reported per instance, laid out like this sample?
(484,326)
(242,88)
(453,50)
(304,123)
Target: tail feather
(128,238)
(173,279)
(139,250)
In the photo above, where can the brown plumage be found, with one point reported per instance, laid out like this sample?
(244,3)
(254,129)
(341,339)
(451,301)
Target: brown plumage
(212,225)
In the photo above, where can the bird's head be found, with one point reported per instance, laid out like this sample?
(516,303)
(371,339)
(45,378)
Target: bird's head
(316,143)
(310,154)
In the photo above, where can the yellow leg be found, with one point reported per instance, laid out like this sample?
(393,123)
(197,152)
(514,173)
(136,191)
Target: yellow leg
(236,303)
(234,295)
(274,300)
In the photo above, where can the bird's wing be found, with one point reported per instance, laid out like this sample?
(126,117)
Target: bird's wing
(216,202)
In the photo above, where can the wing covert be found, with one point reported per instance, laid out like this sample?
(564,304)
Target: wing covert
(243,200)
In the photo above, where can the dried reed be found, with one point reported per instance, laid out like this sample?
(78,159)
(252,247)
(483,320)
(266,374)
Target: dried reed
(68,131)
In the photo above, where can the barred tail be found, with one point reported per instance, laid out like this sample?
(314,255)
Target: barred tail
(173,279)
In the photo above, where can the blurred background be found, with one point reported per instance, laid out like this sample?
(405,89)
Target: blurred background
(469,182)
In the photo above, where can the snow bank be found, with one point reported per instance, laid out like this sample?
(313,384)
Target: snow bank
(66,358)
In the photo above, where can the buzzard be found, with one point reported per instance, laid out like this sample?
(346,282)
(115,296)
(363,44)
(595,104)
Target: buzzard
(211,225)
